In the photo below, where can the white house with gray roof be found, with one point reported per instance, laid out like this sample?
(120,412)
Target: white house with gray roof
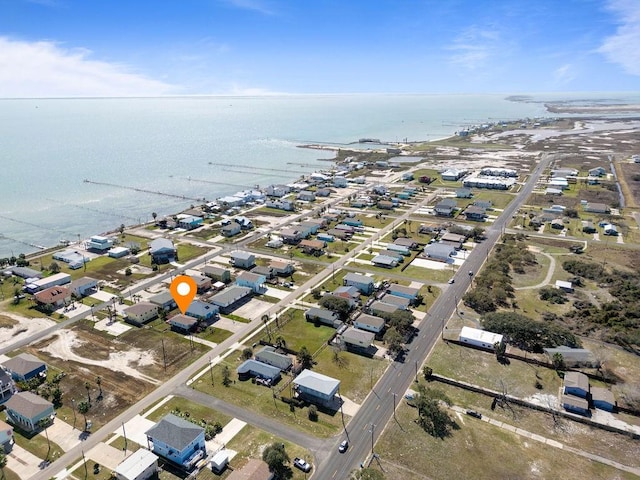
(178,440)
(316,387)
(268,355)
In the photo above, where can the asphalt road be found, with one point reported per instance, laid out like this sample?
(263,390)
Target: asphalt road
(378,408)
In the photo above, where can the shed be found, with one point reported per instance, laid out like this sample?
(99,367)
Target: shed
(564,285)
(603,399)
(219,461)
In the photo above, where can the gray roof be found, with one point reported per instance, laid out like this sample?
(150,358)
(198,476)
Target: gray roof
(251,277)
(140,308)
(162,298)
(396,300)
(599,394)
(317,382)
(356,277)
(574,401)
(358,336)
(383,307)
(242,255)
(385,260)
(371,320)
(321,313)
(183,320)
(394,287)
(174,431)
(230,295)
(576,380)
(439,250)
(23,364)
(258,368)
(570,355)
(214,270)
(26,272)
(160,244)
(28,404)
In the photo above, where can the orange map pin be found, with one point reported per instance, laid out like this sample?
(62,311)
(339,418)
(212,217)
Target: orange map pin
(183,290)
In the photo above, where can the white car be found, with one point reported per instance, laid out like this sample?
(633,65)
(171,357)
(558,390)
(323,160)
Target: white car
(302,464)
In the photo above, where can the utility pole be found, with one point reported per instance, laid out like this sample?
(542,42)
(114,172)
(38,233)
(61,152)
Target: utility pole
(372,430)
(394,405)
(124,434)
(211,370)
(73,405)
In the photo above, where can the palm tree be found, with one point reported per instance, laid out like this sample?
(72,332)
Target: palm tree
(44,423)
(83,408)
(88,387)
(265,320)
(99,383)
(154,215)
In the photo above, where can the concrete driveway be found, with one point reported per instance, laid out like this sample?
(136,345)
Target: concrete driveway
(23,463)
(63,434)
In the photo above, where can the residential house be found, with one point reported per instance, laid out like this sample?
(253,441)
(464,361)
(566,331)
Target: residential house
(453,174)
(6,437)
(479,338)
(576,383)
(253,281)
(244,222)
(202,310)
(25,410)
(219,274)
(498,172)
(270,356)
(557,223)
(486,204)
(254,368)
(407,176)
(203,283)
(588,226)
(291,236)
(394,247)
(369,323)
(574,357)
(162,250)
(323,192)
(73,258)
(7,385)
(384,261)
(361,282)
(177,440)
(597,172)
(25,366)
(553,191)
(267,272)
(474,213)
(313,247)
(230,297)
(275,242)
(381,308)
(140,313)
(564,172)
(242,259)
(163,300)
(401,302)
(596,208)
(341,234)
(439,252)
(323,316)
(315,387)
(26,273)
(446,207)
(119,252)
(354,338)
(409,243)
(609,229)
(310,226)
(463,193)
(254,469)
(339,182)
(390,253)
(306,196)
(277,190)
(83,286)
(350,294)
(99,244)
(603,399)
(385,205)
(231,229)
(140,465)
(52,298)
(403,291)
(282,269)
(189,222)
(183,323)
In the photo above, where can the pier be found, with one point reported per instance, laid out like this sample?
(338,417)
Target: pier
(249,167)
(144,190)
(93,210)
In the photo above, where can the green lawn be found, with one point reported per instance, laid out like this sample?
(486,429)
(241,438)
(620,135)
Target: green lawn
(37,444)
(195,410)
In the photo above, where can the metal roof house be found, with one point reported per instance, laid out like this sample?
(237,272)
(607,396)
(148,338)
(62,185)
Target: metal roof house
(50,281)
(25,366)
(439,252)
(384,261)
(162,250)
(357,339)
(253,281)
(202,310)
(401,302)
(220,274)
(26,410)
(403,291)
(479,338)
(177,440)
(576,383)
(140,465)
(229,297)
(83,286)
(163,300)
(603,399)
(183,323)
(361,282)
(140,313)
(315,387)
(574,357)
(254,368)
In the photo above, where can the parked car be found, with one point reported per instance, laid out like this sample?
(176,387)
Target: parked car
(302,464)
(473,413)
(344,445)
(451,280)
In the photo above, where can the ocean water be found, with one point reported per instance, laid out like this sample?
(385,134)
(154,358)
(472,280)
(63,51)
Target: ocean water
(48,147)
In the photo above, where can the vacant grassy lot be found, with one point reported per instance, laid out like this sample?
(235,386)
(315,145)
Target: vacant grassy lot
(196,411)
(297,332)
(476,450)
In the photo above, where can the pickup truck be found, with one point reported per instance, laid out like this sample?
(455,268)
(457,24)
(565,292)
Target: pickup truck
(302,464)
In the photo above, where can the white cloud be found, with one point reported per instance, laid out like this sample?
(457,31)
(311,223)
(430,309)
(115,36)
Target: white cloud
(564,74)
(44,69)
(623,46)
(474,47)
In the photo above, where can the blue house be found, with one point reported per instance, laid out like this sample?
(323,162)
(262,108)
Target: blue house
(202,310)
(25,366)
(315,387)
(189,222)
(353,222)
(162,250)
(361,282)
(177,440)
(252,280)
(402,291)
(25,410)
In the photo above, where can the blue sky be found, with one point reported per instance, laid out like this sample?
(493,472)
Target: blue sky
(52,48)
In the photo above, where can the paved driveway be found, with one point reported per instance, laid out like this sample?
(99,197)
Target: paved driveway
(63,434)
(25,464)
